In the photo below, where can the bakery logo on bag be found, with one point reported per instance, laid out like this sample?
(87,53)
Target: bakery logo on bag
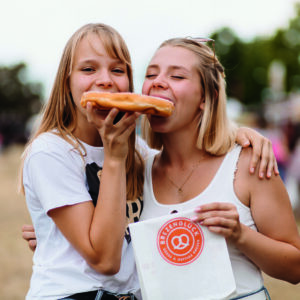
(180,241)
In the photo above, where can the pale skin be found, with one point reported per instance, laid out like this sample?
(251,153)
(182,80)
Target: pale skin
(275,248)
(95,70)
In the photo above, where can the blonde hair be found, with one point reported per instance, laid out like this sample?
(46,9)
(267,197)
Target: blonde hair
(59,112)
(216,133)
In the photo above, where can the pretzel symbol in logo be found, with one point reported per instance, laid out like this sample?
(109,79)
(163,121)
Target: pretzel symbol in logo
(180,241)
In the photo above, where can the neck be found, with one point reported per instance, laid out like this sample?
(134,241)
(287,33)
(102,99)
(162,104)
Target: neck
(180,149)
(89,135)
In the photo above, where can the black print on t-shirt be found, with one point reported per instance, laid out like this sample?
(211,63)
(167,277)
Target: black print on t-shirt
(133,207)
(93,174)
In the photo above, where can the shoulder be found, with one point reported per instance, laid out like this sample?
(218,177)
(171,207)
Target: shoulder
(244,181)
(245,158)
(250,184)
(49,142)
(48,146)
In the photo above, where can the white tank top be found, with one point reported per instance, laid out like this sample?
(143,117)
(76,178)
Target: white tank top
(247,275)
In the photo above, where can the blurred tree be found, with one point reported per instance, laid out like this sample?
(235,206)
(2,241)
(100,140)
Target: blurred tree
(286,47)
(19,101)
(247,64)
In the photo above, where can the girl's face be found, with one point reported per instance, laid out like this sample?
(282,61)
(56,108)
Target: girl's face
(172,74)
(94,70)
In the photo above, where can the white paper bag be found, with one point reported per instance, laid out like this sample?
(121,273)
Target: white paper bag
(178,259)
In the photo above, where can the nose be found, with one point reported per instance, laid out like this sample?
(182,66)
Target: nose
(104,80)
(159,82)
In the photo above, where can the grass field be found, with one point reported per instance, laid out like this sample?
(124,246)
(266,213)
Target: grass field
(16,258)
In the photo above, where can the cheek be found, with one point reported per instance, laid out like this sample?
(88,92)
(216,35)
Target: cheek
(125,87)
(145,88)
(75,89)
(75,82)
(122,84)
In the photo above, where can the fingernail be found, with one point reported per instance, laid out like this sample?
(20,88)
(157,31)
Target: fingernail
(194,219)
(197,209)
(252,170)
(261,175)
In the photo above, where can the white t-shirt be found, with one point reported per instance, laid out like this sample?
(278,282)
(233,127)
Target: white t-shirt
(54,176)
(221,189)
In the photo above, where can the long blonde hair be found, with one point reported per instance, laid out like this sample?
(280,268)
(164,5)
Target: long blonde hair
(216,133)
(59,112)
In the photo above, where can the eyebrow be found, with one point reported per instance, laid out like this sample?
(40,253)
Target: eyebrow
(172,67)
(92,61)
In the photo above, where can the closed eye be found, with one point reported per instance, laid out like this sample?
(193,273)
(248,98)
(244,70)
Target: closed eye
(177,77)
(150,75)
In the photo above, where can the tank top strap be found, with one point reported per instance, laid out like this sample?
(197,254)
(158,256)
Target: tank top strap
(229,165)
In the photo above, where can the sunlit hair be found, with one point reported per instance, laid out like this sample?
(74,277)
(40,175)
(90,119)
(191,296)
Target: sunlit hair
(59,112)
(216,133)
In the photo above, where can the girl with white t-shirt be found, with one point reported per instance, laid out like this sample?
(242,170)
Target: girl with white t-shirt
(82,246)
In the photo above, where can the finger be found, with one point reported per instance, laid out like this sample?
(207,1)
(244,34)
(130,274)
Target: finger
(276,169)
(32,245)
(124,135)
(89,110)
(266,159)
(242,137)
(128,118)
(206,218)
(244,140)
(224,227)
(219,222)
(127,124)
(256,153)
(27,227)
(272,164)
(214,206)
(28,235)
(225,232)
(228,215)
(109,120)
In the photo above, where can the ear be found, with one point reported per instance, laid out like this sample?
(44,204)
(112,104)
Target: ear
(202,103)
(216,94)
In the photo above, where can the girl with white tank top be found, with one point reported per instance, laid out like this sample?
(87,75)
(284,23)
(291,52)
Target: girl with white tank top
(200,167)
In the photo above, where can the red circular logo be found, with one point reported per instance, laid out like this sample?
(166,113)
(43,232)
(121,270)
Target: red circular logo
(180,241)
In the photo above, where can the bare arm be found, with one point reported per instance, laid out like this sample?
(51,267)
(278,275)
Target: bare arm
(275,248)
(98,232)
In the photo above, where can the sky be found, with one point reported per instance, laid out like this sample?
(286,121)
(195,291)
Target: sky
(36,31)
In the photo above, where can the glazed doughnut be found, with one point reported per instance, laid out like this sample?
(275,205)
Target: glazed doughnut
(129,102)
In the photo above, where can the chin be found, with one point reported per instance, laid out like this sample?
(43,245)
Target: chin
(158,124)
